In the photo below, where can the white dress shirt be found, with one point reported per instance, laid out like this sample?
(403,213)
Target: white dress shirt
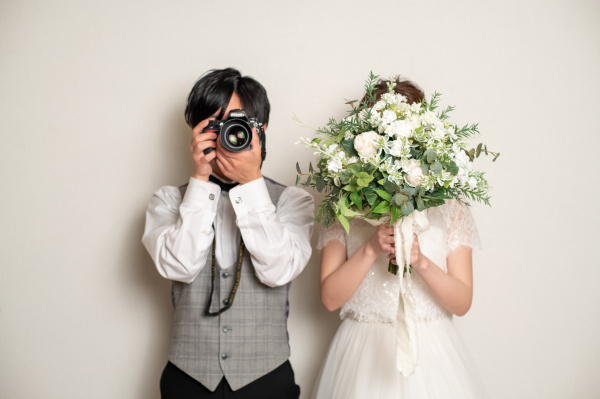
(179,233)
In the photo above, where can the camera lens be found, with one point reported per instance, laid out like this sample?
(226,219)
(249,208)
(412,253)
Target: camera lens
(236,135)
(237,138)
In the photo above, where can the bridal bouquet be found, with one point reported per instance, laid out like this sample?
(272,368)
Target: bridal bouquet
(392,158)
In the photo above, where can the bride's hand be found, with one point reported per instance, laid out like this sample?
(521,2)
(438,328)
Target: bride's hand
(415,254)
(382,240)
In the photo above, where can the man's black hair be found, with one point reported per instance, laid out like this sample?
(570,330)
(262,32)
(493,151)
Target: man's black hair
(214,89)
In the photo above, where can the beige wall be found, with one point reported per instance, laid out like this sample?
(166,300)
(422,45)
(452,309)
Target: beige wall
(91,102)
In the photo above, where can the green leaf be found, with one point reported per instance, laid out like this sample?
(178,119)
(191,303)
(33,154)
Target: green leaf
(396,214)
(310,168)
(371,198)
(384,194)
(346,176)
(356,198)
(383,207)
(478,150)
(389,186)
(370,168)
(298,167)
(425,168)
(348,145)
(320,184)
(340,135)
(349,213)
(297,179)
(363,179)
(452,167)
(354,168)
(344,223)
(329,142)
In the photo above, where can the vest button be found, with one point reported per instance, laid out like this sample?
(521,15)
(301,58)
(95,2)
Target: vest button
(225,275)
(225,301)
(224,356)
(225,329)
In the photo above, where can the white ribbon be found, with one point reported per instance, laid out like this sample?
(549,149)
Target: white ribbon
(406,333)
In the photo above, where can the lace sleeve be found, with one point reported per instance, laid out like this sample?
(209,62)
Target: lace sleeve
(462,230)
(334,232)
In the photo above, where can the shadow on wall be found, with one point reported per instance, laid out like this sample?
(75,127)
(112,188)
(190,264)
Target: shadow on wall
(171,167)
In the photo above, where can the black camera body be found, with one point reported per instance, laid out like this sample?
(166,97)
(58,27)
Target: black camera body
(235,133)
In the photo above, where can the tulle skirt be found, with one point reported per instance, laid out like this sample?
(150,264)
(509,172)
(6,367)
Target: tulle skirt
(361,364)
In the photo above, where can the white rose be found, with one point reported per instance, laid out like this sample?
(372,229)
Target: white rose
(364,144)
(401,128)
(334,165)
(414,173)
(388,116)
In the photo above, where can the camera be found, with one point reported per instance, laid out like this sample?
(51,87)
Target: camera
(235,132)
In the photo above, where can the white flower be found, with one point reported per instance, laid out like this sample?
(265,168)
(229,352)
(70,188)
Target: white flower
(415,120)
(348,134)
(388,116)
(415,107)
(378,106)
(334,165)
(414,173)
(429,118)
(401,128)
(396,149)
(389,98)
(472,182)
(364,144)
(352,160)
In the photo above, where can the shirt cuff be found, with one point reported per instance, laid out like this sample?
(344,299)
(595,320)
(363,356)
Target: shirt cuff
(201,195)
(250,196)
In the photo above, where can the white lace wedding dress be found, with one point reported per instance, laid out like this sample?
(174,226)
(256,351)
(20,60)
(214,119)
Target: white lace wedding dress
(361,362)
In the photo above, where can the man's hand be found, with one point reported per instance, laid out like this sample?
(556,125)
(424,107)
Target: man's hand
(242,167)
(200,142)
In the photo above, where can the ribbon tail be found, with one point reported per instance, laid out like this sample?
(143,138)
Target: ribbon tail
(406,335)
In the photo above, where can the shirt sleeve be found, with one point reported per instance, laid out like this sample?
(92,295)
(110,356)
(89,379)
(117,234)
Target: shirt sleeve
(278,238)
(178,232)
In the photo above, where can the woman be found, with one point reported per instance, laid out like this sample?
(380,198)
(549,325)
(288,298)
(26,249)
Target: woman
(361,362)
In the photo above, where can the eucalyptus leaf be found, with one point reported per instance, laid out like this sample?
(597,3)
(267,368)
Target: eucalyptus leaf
(320,184)
(420,204)
(430,155)
(436,168)
(298,167)
(407,208)
(409,190)
(399,199)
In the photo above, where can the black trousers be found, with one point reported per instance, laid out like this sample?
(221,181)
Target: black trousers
(278,384)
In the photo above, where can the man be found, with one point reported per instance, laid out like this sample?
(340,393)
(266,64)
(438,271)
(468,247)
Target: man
(232,241)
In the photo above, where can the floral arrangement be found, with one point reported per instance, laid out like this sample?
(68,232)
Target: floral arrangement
(389,157)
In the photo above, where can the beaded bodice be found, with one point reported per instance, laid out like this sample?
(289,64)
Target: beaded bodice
(376,300)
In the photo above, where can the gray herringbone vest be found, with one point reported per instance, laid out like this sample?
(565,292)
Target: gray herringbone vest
(241,344)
